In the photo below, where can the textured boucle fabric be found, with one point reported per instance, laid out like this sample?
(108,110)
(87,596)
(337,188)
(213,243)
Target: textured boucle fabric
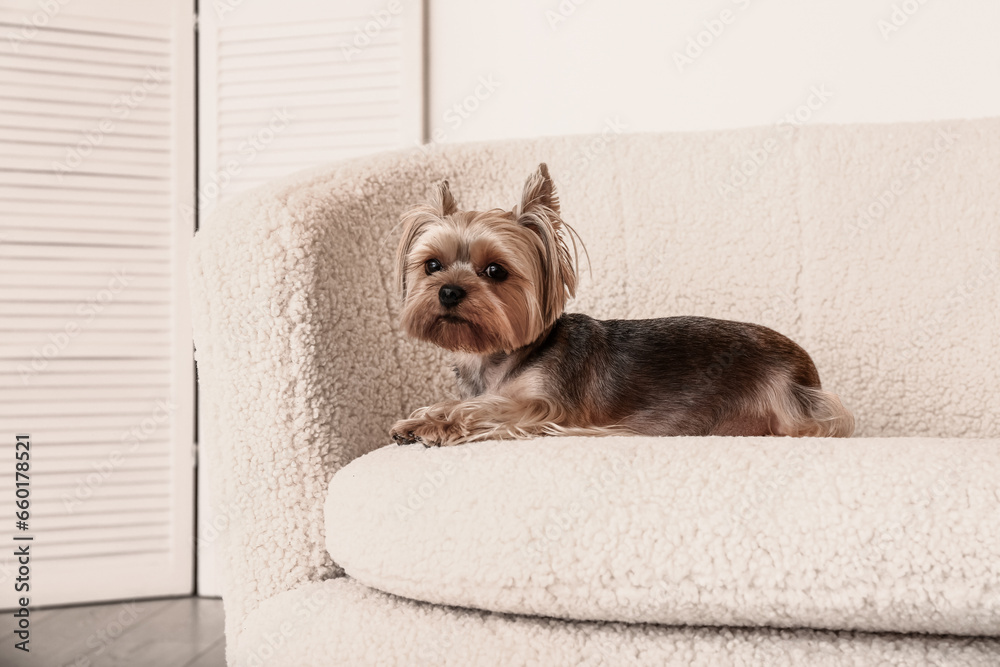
(341,622)
(880,534)
(302,367)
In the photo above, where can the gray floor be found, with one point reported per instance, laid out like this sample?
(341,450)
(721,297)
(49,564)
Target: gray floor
(177,632)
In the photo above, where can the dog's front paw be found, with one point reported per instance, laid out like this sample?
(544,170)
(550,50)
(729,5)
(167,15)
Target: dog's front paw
(431,432)
(402,432)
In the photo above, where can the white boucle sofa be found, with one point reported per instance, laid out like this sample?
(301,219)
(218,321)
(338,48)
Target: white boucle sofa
(876,247)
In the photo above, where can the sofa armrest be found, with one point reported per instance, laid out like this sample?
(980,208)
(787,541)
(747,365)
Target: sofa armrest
(300,362)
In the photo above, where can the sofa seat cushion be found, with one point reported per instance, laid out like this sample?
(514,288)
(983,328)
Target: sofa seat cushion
(881,534)
(342,622)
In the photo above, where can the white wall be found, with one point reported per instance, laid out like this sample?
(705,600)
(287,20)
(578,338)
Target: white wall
(573,66)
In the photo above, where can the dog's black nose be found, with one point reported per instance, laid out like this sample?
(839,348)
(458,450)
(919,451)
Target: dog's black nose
(450,295)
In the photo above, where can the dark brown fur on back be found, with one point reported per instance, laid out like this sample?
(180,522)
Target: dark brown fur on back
(662,376)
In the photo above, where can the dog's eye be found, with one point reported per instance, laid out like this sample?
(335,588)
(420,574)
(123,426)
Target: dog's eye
(496,272)
(432,266)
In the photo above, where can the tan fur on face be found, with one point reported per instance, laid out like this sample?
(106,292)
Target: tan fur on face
(495,315)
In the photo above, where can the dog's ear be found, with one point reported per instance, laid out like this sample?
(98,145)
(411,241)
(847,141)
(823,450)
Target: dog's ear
(539,212)
(447,201)
(539,192)
(414,222)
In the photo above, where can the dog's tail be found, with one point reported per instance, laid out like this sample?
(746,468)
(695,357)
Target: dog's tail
(810,412)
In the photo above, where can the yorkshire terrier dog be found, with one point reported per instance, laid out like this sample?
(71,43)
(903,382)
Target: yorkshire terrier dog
(490,286)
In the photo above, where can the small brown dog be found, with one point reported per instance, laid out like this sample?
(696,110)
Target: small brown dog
(491,286)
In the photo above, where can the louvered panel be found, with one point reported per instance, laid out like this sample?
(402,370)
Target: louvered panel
(334,82)
(309,71)
(88,438)
(88,199)
(97,505)
(343,98)
(72,542)
(59,455)
(128,237)
(148,532)
(73,182)
(73,522)
(94,367)
(72,251)
(104,72)
(85,338)
(47,370)
(69,158)
(68,110)
(116,88)
(23,326)
(102,165)
(103,305)
(336,24)
(275,41)
(79,94)
(70,397)
(85,409)
(75,294)
(87,347)
(283,91)
(252,119)
(75,481)
(78,269)
(73,46)
(81,204)
(47,55)
(79,224)
(96,158)
(347,126)
(298,143)
(67,124)
(78,478)
(147,22)
(159,489)
(58,421)
(125,273)
(120,139)
(89,310)
(97,549)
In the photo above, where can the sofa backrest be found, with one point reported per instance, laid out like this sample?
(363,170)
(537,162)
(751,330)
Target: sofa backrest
(876,247)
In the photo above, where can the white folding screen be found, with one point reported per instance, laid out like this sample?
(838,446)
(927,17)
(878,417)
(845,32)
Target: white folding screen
(96,169)
(288,85)
(97,204)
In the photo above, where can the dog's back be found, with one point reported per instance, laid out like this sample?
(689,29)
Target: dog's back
(688,376)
